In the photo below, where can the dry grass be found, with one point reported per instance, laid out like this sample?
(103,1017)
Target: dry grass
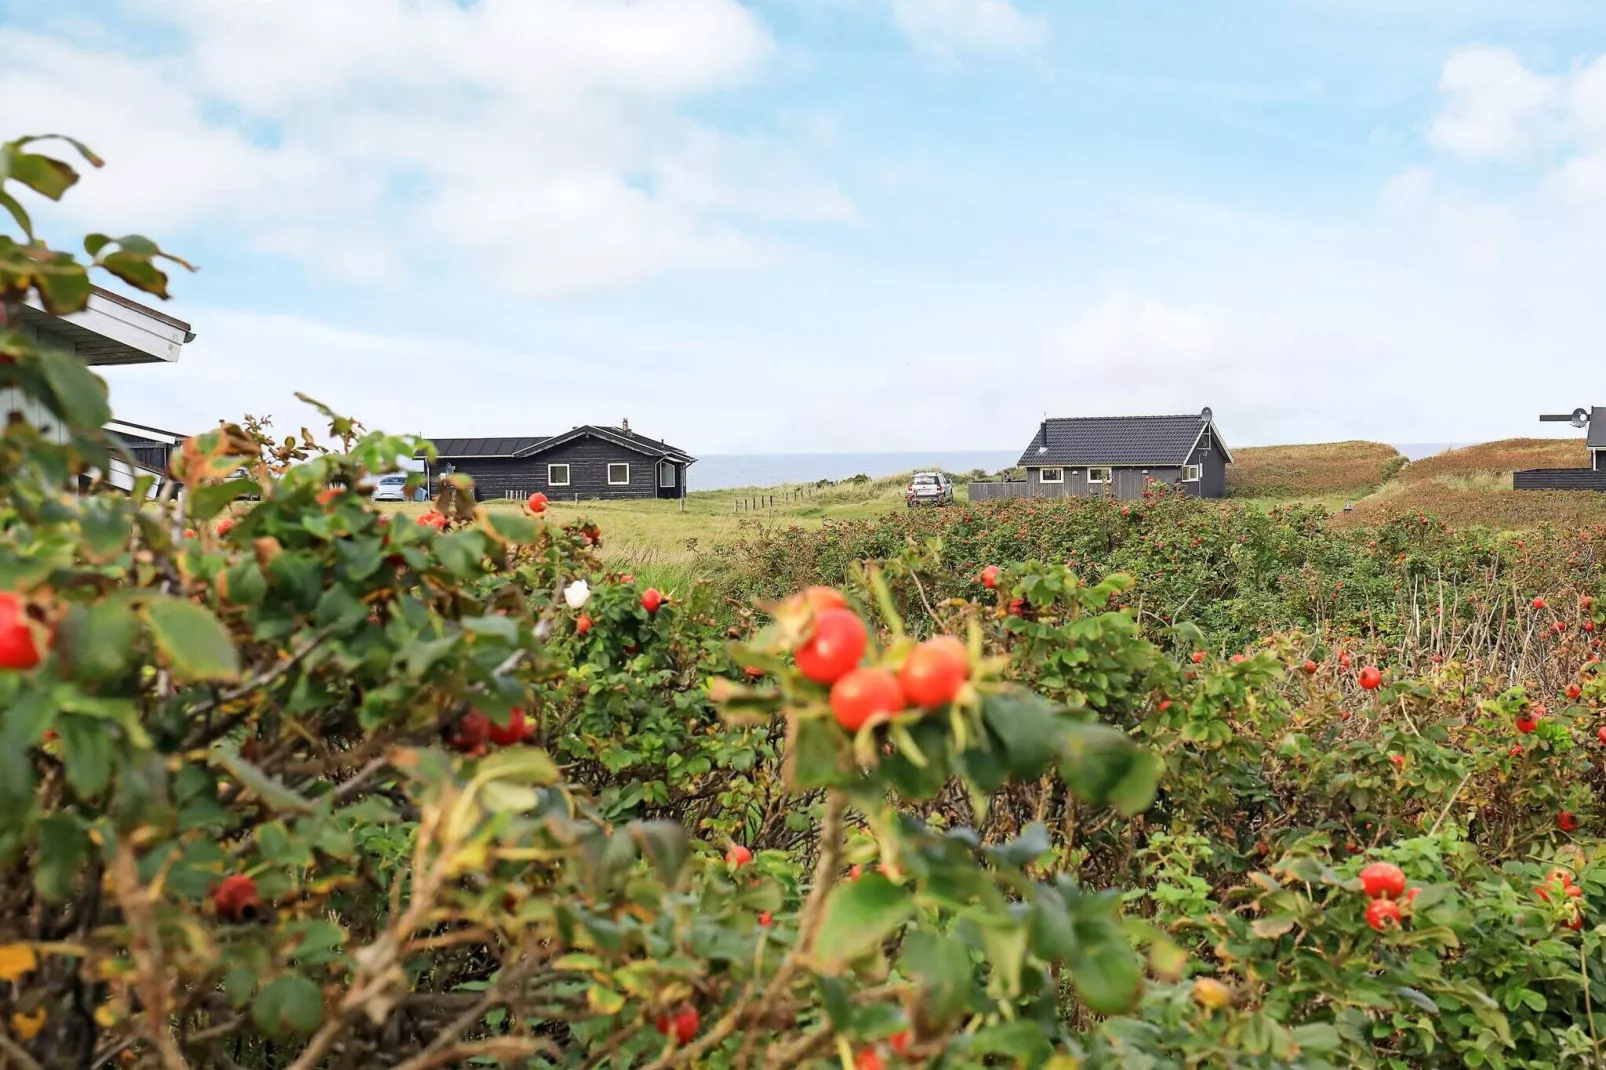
(1503,509)
(1314,471)
(1498,460)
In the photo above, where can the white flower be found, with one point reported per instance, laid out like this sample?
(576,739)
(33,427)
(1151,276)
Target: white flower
(577,594)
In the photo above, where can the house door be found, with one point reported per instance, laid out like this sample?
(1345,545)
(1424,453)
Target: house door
(666,479)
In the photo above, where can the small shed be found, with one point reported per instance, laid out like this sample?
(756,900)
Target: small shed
(589,461)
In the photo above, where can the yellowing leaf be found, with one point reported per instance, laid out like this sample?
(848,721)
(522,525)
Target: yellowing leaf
(27,1026)
(16,960)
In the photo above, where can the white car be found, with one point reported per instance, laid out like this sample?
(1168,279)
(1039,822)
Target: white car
(391,489)
(929,488)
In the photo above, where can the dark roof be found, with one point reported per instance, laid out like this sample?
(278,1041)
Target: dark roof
(1597,428)
(530,446)
(1116,440)
(484,447)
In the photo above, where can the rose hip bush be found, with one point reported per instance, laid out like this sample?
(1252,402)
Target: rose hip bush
(290,782)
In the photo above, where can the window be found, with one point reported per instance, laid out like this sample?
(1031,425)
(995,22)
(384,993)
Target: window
(666,474)
(1204,440)
(1192,473)
(1052,475)
(1099,475)
(557,475)
(618,474)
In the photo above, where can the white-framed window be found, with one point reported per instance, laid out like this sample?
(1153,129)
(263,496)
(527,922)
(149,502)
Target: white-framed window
(1052,475)
(666,474)
(1192,473)
(618,474)
(1099,475)
(557,475)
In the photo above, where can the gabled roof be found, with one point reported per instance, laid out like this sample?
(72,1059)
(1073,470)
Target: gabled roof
(1118,440)
(530,446)
(1597,428)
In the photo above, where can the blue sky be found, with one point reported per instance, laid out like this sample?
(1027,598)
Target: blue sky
(848,224)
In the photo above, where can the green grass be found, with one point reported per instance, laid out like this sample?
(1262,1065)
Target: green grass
(659,541)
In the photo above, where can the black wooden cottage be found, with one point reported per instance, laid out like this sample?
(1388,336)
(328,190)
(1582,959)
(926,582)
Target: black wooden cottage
(587,462)
(1118,456)
(1591,478)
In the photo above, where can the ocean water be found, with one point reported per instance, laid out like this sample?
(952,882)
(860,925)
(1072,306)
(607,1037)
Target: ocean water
(721,471)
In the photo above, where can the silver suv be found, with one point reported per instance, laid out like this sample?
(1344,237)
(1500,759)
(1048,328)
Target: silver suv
(929,488)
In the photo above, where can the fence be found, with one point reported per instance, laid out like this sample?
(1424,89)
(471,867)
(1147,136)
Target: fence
(981,492)
(755,502)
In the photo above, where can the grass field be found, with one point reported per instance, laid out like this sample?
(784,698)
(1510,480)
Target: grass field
(1326,470)
(661,541)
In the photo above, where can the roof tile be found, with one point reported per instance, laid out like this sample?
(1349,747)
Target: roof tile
(1083,440)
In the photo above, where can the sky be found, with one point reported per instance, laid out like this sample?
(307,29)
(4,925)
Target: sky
(815,225)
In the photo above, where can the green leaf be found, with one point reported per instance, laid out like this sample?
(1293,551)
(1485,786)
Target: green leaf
(210,499)
(859,915)
(194,642)
(78,395)
(244,583)
(62,850)
(1103,765)
(1106,971)
(90,753)
(95,641)
(511,526)
(664,844)
(238,984)
(1028,847)
(940,968)
(18,213)
(256,781)
(288,1006)
(138,271)
(45,176)
(1026,727)
(322,941)
(525,765)
(1316,1036)
(811,760)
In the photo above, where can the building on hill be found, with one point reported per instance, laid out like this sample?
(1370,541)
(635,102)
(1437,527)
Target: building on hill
(587,462)
(1592,478)
(1118,456)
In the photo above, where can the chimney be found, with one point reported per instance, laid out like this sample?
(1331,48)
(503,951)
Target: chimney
(624,425)
(1045,432)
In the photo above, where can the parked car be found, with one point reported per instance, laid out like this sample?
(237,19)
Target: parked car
(929,488)
(391,489)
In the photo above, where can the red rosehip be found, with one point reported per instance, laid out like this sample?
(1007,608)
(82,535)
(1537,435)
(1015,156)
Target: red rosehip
(537,502)
(1309,667)
(683,1023)
(863,694)
(19,649)
(582,624)
(935,671)
(1383,914)
(1198,657)
(1370,678)
(517,730)
(738,856)
(469,734)
(834,648)
(1383,880)
(989,576)
(236,898)
(1566,821)
(651,599)
(1527,723)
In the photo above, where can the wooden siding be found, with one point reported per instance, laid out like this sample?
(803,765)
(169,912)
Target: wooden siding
(588,459)
(1213,483)
(1559,479)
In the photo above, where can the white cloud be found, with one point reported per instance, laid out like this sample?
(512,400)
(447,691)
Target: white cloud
(543,142)
(950,27)
(1495,108)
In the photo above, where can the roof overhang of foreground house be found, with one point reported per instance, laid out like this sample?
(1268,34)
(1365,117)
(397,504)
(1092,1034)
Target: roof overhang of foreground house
(112,330)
